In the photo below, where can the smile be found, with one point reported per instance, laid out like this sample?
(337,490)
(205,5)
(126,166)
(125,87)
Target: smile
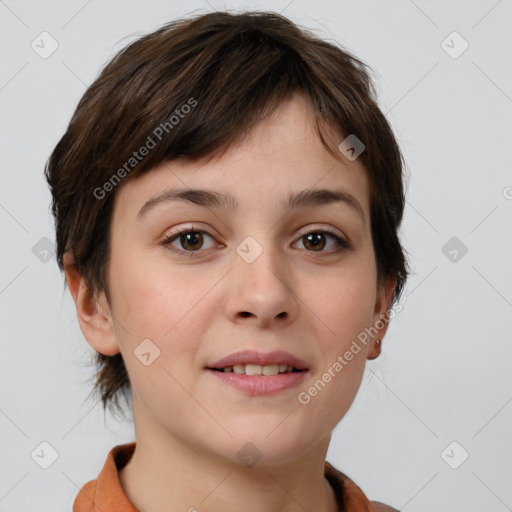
(256,369)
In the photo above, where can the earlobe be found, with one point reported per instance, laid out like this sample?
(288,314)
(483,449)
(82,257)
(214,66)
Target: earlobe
(94,316)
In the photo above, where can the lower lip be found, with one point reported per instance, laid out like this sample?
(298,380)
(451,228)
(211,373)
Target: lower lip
(261,384)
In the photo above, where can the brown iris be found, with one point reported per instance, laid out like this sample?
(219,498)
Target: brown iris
(193,240)
(316,240)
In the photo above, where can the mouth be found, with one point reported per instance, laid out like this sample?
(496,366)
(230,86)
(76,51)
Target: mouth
(256,369)
(256,373)
(252,362)
(255,380)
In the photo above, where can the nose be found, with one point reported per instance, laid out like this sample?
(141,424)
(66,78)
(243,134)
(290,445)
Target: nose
(262,291)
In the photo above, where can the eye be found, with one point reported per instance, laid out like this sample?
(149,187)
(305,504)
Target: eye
(316,240)
(191,240)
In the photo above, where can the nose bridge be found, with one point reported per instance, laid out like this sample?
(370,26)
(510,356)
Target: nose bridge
(261,281)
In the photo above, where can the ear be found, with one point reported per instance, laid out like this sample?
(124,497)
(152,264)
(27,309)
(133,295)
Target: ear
(380,320)
(93,312)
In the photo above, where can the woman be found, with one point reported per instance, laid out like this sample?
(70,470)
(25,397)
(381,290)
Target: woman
(227,200)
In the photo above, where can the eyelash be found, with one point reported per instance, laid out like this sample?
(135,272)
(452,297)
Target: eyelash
(343,245)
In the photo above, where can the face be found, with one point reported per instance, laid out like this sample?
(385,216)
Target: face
(260,276)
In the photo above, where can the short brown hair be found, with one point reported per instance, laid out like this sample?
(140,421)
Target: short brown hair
(237,68)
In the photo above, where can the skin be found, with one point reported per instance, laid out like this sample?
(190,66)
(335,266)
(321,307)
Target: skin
(189,425)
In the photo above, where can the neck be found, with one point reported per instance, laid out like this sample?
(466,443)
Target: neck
(165,470)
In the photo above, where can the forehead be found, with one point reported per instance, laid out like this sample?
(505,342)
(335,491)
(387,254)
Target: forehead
(283,154)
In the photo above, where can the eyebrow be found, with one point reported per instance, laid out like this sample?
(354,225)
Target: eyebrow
(213,199)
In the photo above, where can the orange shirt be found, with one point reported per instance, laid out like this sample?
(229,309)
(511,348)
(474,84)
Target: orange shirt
(105,494)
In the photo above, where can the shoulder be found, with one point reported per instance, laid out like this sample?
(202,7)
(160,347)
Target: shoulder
(377,506)
(85,499)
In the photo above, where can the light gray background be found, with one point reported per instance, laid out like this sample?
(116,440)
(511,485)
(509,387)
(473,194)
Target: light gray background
(445,372)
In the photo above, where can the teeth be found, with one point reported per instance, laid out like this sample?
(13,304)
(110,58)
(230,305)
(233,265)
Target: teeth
(256,369)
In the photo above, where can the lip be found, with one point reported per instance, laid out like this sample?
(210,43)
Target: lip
(262,359)
(260,384)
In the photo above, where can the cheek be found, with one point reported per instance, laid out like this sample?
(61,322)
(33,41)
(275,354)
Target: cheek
(346,305)
(152,297)
(165,305)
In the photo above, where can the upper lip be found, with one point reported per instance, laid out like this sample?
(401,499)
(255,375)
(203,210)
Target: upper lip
(254,357)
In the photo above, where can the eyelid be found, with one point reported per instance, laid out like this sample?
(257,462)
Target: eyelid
(186,228)
(167,237)
(302,232)
(318,227)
